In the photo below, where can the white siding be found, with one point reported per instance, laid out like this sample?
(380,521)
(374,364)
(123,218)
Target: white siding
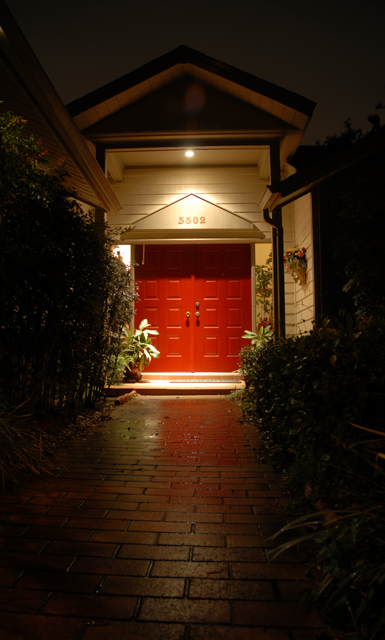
(299,298)
(146,190)
(288,241)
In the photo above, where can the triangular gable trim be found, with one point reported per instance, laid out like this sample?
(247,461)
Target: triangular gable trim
(171,204)
(189,217)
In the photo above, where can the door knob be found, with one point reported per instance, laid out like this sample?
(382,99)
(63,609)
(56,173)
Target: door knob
(187,314)
(197,304)
(197,314)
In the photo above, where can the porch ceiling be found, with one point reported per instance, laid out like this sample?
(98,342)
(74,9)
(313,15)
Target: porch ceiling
(120,159)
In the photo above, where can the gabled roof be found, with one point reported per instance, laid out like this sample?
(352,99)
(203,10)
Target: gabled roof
(27,91)
(186,107)
(183,62)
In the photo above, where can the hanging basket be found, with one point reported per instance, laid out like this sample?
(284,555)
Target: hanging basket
(299,275)
(296,264)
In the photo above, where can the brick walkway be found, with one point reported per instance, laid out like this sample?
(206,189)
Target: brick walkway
(155,528)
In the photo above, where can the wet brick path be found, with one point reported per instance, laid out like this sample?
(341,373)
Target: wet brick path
(156,527)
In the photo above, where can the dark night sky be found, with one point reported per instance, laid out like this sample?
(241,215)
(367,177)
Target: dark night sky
(331,51)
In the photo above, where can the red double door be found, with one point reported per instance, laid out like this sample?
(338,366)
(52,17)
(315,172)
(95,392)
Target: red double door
(199,299)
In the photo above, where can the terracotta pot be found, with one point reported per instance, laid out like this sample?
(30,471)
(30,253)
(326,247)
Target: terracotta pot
(132,373)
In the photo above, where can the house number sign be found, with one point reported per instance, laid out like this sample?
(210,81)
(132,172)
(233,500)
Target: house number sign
(189,220)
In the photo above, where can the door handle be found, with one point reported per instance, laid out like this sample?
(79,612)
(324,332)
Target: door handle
(187,314)
(197,314)
(197,304)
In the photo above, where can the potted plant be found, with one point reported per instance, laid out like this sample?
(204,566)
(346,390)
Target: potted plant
(137,351)
(264,300)
(296,264)
(259,338)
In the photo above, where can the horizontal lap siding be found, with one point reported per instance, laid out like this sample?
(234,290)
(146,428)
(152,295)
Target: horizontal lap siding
(144,191)
(303,237)
(299,299)
(288,239)
(16,100)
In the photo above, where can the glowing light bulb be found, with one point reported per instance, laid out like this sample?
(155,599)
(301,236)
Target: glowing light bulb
(189,153)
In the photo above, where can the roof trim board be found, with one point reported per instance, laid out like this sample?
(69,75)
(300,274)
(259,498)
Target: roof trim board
(186,107)
(183,55)
(245,236)
(182,62)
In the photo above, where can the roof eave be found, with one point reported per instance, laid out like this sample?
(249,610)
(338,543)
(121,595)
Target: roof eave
(303,182)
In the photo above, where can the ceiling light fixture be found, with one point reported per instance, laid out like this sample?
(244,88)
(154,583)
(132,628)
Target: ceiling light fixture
(189,153)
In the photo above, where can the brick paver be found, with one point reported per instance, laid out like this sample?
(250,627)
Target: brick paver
(156,526)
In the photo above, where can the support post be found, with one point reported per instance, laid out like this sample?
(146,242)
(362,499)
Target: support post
(275,220)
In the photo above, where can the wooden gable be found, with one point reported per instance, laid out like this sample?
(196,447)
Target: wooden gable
(187,105)
(206,80)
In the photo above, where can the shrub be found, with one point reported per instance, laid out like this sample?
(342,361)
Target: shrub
(351,550)
(318,401)
(304,393)
(63,291)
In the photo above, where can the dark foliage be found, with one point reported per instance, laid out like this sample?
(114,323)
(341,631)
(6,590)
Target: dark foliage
(62,290)
(319,403)
(305,392)
(349,135)
(360,255)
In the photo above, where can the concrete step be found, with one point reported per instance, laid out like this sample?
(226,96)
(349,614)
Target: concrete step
(180,384)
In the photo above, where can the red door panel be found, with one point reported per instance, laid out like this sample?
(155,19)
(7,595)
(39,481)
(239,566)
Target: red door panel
(223,290)
(212,281)
(164,283)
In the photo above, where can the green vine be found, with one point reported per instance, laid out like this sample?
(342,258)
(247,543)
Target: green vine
(264,291)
